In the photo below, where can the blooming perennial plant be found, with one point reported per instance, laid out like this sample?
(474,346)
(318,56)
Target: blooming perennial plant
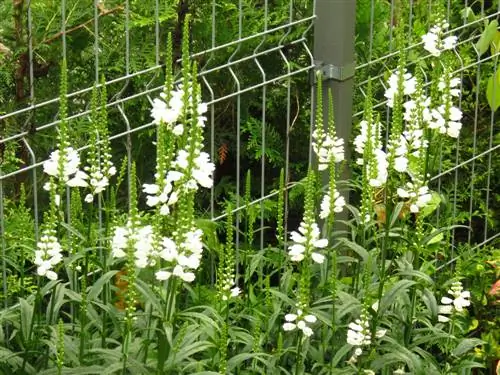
(460,299)
(435,42)
(306,240)
(300,321)
(178,113)
(421,112)
(48,254)
(359,335)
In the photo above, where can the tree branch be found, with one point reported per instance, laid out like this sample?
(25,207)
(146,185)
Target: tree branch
(104,12)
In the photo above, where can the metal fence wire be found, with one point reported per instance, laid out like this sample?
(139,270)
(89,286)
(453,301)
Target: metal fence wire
(255,64)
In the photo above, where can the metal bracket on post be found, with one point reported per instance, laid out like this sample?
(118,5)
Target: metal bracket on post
(337,73)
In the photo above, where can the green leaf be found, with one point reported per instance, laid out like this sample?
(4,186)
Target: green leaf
(397,289)
(98,285)
(26,319)
(340,354)
(435,237)
(495,44)
(487,36)
(240,358)
(468,15)
(493,91)
(75,370)
(55,303)
(432,205)
(361,251)
(465,345)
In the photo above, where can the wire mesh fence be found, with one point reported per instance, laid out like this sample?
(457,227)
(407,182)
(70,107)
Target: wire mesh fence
(255,63)
(465,178)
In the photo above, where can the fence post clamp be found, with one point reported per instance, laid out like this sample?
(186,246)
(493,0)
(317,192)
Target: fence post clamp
(338,73)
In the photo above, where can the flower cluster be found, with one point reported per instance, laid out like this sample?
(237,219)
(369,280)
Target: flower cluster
(48,254)
(300,321)
(359,334)
(184,256)
(434,41)
(168,113)
(446,117)
(165,197)
(201,168)
(182,259)
(328,148)
(461,299)
(368,144)
(326,204)
(65,167)
(99,170)
(190,167)
(306,240)
(229,290)
(418,197)
(409,86)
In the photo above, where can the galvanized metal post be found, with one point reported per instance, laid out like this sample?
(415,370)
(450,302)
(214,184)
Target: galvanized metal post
(334,37)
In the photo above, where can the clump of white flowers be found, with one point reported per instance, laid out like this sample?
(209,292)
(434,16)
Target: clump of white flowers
(328,148)
(409,86)
(326,204)
(100,168)
(460,299)
(306,240)
(167,196)
(168,113)
(359,334)
(418,196)
(435,42)
(48,254)
(64,165)
(300,321)
(373,157)
(446,117)
(180,260)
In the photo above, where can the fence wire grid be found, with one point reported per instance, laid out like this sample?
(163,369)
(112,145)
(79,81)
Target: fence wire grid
(242,65)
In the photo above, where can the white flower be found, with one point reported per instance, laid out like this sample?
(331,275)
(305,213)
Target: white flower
(203,170)
(434,42)
(409,86)
(78,180)
(150,188)
(318,258)
(310,318)
(358,333)
(460,300)
(163,275)
(379,176)
(418,197)
(300,321)
(339,204)
(48,254)
(307,237)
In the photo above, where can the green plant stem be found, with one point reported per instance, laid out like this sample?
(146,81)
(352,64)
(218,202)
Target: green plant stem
(298,357)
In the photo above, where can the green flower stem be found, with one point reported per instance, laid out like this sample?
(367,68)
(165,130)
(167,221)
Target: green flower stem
(298,355)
